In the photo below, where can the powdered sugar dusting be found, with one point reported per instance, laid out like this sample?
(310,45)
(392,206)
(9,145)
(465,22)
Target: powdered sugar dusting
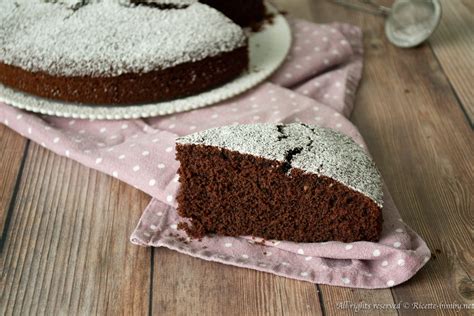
(108,38)
(320,151)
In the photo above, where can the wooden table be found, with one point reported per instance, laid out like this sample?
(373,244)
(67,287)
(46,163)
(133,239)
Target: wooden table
(65,228)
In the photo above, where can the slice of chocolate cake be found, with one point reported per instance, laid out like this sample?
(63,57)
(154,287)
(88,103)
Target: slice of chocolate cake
(287,182)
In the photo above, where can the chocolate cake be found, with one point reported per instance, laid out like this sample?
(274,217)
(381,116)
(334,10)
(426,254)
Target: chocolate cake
(114,52)
(290,182)
(242,12)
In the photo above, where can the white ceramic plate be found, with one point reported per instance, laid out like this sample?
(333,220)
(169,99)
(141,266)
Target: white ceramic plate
(268,49)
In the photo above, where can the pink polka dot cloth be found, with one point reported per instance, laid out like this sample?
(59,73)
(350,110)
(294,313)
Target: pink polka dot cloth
(316,85)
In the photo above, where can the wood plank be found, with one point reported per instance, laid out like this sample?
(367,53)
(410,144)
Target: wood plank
(337,301)
(67,251)
(421,142)
(453,45)
(183,285)
(296,8)
(12,148)
(321,12)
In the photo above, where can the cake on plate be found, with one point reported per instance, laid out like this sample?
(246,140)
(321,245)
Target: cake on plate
(117,52)
(291,182)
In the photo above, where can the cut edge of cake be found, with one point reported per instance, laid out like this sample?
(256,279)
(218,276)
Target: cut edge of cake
(208,202)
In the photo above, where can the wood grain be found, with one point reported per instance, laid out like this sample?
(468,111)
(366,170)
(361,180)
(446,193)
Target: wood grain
(183,285)
(297,8)
(333,296)
(418,135)
(12,150)
(68,251)
(452,44)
